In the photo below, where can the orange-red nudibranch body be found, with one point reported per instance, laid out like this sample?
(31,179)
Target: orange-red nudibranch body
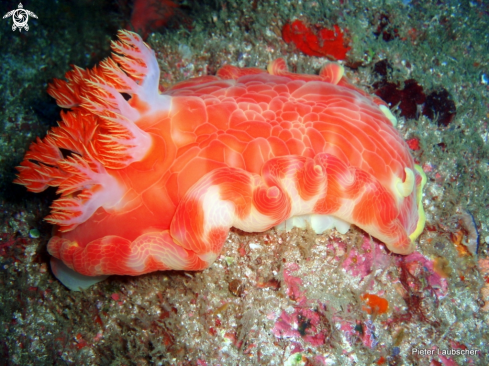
(155,182)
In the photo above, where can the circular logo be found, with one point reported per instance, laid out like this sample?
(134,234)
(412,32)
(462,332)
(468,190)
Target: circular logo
(20,17)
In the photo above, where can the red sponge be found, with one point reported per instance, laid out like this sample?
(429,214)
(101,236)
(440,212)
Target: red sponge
(315,40)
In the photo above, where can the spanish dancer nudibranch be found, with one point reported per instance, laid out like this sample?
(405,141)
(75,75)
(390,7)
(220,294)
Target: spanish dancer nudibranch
(152,181)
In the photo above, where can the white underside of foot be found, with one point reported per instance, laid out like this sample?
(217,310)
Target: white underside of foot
(72,279)
(319,223)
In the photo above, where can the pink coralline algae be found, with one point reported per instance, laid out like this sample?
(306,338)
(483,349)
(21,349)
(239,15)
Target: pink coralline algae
(484,270)
(307,324)
(293,284)
(360,331)
(302,323)
(420,266)
(361,262)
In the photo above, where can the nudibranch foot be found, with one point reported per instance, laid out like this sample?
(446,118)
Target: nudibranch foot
(152,180)
(318,223)
(72,279)
(114,255)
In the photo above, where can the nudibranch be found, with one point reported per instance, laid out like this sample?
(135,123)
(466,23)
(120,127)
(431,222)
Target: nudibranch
(151,180)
